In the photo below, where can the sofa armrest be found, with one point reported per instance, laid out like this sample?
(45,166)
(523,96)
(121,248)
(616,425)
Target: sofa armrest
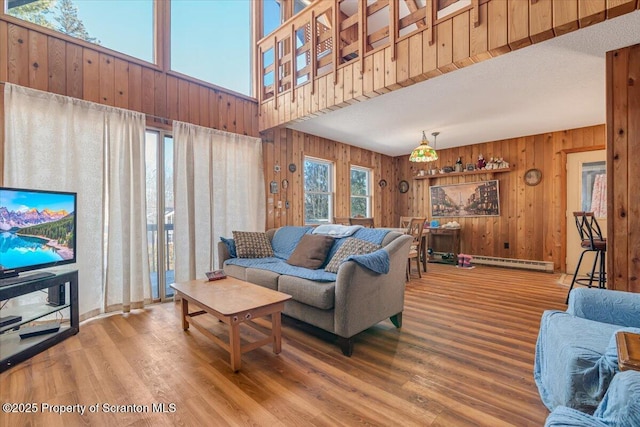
(223,254)
(607,306)
(364,298)
(563,416)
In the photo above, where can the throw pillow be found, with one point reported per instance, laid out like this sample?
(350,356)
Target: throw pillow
(311,251)
(351,246)
(252,244)
(231,246)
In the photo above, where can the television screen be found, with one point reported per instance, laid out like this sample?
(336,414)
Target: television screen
(37,229)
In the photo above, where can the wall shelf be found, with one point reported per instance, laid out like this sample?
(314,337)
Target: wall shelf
(490,173)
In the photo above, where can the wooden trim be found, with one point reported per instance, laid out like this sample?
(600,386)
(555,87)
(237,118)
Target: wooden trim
(336,42)
(393,28)
(475,16)
(276,72)
(362,32)
(314,51)
(294,58)
(430,21)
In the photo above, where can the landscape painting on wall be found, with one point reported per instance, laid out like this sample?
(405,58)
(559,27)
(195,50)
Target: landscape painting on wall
(465,200)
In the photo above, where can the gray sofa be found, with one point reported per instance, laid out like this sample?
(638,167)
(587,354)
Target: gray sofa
(343,304)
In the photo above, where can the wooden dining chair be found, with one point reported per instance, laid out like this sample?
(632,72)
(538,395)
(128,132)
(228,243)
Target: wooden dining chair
(342,220)
(365,222)
(404,221)
(415,229)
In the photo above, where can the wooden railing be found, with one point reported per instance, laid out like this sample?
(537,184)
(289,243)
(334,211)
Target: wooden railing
(330,34)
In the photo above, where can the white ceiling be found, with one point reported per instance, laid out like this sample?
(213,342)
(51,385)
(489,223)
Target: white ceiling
(554,85)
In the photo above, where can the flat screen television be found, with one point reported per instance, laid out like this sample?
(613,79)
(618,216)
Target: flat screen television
(37,230)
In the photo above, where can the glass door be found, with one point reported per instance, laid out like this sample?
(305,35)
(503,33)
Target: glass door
(160,213)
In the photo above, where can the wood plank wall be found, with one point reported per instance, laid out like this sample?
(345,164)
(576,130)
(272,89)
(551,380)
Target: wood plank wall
(623,170)
(531,218)
(38,58)
(282,147)
(504,26)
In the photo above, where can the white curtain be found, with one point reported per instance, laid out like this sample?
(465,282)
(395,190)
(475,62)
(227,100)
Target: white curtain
(55,142)
(127,282)
(219,188)
(599,196)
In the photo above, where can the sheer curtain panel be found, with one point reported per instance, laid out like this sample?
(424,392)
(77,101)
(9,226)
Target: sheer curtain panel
(54,142)
(219,187)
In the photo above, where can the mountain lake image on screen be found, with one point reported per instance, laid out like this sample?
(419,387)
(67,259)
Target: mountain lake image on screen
(37,229)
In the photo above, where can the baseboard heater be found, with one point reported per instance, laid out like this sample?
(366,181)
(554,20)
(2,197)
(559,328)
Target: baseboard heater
(545,266)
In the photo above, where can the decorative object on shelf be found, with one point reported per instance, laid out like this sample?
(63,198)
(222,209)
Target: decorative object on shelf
(403,186)
(285,184)
(471,167)
(533,177)
(424,152)
(447,169)
(292,167)
(481,162)
(382,183)
(465,200)
(459,166)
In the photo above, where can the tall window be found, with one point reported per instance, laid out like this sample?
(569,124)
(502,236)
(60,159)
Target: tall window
(360,192)
(271,16)
(122,25)
(318,191)
(160,213)
(210,40)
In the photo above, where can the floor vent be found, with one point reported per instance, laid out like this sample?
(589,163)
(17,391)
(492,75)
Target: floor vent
(545,266)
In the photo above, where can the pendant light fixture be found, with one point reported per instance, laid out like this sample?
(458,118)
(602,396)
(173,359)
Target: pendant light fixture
(424,152)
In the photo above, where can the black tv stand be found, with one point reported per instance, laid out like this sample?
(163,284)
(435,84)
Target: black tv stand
(12,280)
(13,349)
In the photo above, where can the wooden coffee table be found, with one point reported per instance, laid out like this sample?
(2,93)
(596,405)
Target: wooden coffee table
(233,302)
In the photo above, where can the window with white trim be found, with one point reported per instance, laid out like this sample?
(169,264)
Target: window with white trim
(318,191)
(360,192)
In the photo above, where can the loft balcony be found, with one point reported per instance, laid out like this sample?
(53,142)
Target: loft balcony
(340,52)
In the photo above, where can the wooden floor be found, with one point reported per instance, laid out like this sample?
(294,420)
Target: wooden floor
(464,357)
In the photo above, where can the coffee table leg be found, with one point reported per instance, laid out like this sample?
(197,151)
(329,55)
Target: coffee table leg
(185,313)
(234,346)
(275,332)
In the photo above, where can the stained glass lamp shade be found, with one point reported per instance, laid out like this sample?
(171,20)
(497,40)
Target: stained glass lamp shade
(424,152)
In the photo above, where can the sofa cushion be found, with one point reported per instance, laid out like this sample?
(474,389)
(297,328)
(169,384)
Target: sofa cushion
(278,265)
(264,278)
(317,294)
(311,251)
(251,244)
(231,246)
(286,238)
(351,246)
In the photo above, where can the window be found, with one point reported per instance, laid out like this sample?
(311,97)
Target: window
(360,192)
(122,25)
(271,16)
(210,40)
(318,191)
(159,188)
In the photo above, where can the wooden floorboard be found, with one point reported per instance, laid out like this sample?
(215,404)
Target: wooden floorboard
(463,357)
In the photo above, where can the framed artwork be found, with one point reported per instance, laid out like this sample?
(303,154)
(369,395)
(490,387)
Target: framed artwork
(465,200)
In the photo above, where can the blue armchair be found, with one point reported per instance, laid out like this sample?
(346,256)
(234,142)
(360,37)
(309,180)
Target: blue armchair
(619,408)
(576,354)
